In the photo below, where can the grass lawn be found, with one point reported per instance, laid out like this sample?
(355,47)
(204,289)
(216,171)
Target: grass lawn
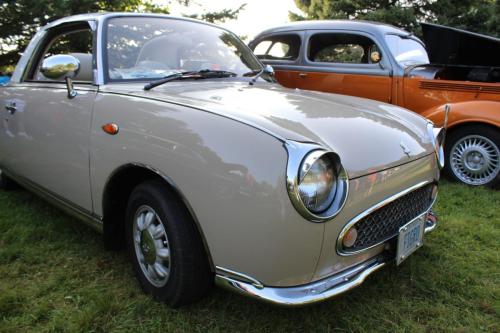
(55,276)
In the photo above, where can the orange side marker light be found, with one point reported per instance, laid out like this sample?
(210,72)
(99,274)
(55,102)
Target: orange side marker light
(111,128)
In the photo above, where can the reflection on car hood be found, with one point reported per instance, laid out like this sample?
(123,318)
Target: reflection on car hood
(368,135)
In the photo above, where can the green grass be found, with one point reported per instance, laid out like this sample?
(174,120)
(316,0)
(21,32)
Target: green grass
(55,276)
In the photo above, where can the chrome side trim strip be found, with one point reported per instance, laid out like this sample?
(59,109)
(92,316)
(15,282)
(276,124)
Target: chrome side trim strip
(87,217)
(305,294)
(371,210)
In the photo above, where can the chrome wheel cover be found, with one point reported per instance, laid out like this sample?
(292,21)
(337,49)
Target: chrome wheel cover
(474,159)
(151,246)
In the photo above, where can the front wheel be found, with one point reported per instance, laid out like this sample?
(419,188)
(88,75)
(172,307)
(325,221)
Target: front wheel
(473,156)
(165,247)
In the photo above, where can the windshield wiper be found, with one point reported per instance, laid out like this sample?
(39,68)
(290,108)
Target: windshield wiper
(201,74)
(163,80)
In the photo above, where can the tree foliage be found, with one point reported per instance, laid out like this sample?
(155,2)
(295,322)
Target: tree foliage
(20,19)
(480,16)
(220,17)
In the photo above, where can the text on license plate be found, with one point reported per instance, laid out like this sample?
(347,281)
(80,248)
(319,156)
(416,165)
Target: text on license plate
(410,238)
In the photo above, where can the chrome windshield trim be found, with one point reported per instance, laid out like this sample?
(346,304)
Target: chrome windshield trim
(306,294)
(99,45)
(371,210)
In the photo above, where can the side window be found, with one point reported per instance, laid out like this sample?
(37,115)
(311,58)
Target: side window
(262,47)
(285,47)
(280,50)
(343,48)
(77,43)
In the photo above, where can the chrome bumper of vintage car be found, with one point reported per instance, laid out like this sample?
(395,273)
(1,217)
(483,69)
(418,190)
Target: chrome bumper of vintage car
(309,293)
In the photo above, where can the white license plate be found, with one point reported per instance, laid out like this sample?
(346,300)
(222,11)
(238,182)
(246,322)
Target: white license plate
(411,237)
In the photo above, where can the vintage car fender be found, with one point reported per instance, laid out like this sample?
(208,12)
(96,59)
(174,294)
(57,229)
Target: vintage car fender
(204,154)
(215,134)
(486,112)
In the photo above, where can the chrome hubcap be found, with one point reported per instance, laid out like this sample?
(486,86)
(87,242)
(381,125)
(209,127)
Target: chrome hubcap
(151,246)
(474,159)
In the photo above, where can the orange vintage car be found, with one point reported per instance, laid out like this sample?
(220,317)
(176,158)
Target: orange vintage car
(384,63)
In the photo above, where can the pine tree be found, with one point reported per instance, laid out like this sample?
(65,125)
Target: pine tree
(480,16)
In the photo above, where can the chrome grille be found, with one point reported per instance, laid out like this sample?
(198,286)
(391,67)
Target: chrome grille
(385,222)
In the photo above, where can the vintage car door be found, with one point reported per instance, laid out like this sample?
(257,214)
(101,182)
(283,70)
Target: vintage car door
(349,63)
(48,132)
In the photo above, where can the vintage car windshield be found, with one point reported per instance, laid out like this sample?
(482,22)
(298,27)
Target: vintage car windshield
(407,51)
(144,48)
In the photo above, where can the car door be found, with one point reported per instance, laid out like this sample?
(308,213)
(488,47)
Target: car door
(349,63)
(48,131)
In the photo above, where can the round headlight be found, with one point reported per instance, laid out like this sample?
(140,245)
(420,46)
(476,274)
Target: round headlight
(317,182)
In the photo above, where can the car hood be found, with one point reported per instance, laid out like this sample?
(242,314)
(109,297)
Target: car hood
(451,46)
(368,136)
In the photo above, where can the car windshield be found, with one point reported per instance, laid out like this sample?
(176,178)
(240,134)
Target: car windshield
(145,48)
(407,51)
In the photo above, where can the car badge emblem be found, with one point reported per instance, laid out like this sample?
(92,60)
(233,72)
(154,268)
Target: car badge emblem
(406,150)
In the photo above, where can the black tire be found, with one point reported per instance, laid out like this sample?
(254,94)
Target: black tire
(480,131)
(6,183)
(189,276)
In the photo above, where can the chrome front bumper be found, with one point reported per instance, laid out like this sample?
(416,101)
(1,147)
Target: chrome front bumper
(306,294)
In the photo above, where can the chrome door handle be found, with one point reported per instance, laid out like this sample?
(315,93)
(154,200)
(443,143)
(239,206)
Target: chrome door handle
(302,75)
(11,108)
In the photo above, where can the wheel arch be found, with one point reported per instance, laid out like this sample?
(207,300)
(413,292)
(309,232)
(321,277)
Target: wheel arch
(463,124)
(117,190)
(465,113)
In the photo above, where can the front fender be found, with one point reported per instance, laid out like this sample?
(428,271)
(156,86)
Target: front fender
(231,174)
(487,112)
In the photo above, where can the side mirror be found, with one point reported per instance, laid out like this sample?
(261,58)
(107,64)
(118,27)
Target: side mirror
(269,70)
(59,67)
(62,67)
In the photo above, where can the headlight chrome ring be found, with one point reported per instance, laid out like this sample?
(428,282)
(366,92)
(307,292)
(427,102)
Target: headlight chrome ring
(317,183)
